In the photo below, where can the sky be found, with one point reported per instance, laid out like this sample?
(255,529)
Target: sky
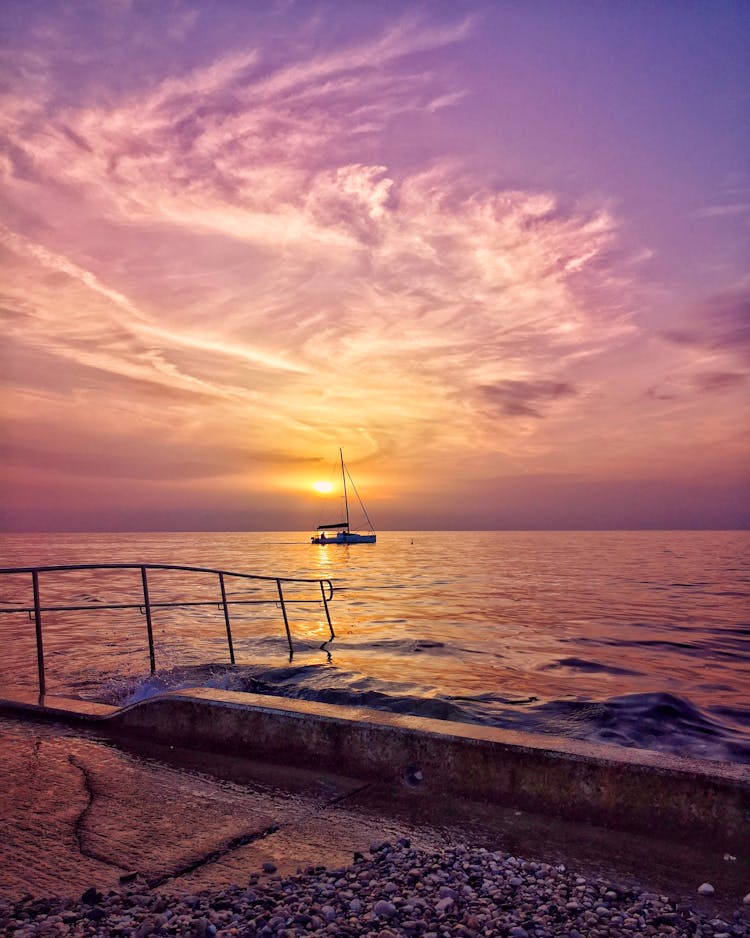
(497,252)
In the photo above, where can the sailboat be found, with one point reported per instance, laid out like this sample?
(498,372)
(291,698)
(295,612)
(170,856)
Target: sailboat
(342,533)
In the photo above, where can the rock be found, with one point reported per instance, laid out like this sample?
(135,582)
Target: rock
(384,909)
(200,928)
(459,892)
(129,876)
(145,928)
(269,867)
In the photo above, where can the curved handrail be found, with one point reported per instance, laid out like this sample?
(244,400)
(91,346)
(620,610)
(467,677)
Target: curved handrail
(146,606)
(162,566)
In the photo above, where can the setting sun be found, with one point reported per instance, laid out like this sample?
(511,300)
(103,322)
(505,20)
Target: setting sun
(323,488)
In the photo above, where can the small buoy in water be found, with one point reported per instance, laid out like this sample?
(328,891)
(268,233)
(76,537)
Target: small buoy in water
(706,889)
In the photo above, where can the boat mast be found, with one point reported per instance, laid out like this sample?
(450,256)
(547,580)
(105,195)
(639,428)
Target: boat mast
(343,476)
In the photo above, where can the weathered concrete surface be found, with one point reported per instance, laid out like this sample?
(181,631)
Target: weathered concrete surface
(77,811)
(53,707)
(628,789)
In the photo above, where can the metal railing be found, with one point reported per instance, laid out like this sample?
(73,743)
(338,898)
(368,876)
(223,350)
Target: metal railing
(147,605)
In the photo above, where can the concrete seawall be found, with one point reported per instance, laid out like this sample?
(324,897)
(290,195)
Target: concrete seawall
(693,801)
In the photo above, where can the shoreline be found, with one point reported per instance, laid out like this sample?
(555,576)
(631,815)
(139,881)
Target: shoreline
(151,838)
(626,789)
(393,891)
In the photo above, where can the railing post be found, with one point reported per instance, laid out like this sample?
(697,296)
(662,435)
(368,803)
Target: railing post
(226,617)
(286,620)
(38,626)
(149,627)
(325,603)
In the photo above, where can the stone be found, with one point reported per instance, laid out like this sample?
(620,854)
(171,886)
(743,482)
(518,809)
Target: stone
(269,867)
(706,889)
(145,928)
(392,893)
(384,909)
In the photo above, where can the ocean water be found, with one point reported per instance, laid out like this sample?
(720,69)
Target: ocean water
(634,638)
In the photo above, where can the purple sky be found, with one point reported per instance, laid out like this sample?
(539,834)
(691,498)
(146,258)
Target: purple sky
(498,252)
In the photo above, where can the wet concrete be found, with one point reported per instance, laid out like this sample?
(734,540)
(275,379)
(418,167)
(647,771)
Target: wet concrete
(627,789)
(77,811)
(688,800)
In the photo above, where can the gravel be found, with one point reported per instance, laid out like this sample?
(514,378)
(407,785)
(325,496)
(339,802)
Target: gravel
(395,891)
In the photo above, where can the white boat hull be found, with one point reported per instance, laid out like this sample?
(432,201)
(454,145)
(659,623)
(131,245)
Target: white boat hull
(344,537)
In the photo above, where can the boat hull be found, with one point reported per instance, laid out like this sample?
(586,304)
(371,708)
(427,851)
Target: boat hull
(344,537)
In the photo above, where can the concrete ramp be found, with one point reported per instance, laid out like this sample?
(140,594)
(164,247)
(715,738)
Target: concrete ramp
(689,800)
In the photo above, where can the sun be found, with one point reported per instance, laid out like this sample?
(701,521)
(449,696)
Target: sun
(322,488)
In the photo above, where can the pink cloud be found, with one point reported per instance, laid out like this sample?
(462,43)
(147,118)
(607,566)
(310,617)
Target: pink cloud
(232,238)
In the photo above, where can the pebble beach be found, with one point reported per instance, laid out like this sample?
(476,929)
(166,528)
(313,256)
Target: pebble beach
(394,890)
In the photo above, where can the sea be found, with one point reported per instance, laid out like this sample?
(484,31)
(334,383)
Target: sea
(637,639)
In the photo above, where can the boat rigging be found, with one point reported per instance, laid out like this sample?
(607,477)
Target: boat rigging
(343,535)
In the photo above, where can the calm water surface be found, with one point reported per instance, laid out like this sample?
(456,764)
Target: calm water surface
(636,638)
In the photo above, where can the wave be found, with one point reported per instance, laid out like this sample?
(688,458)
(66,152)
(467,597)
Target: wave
(582,664)
(658,721)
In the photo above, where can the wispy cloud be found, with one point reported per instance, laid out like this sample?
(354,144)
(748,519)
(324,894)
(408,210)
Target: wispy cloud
(233,237)
(438,281)
(722,324)
(717,211)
